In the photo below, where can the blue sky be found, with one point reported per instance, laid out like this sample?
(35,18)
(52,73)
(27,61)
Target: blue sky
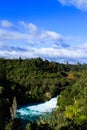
(51,29)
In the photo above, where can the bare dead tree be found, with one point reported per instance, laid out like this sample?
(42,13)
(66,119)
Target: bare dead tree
(13,108)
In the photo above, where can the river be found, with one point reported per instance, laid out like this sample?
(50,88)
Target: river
(32,112)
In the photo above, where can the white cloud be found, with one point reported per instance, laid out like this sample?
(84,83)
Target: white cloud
(50,35)
(12,35)
(3,45)
(41,43)
(63,52)
(83,46)
(80,4)
(31,27)
(6,23)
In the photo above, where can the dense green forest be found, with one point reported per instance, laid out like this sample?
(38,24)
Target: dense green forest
(23,81)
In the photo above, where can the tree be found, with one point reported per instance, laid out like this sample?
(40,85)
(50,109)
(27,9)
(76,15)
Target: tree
(28,126)
(13,108)
(1,90)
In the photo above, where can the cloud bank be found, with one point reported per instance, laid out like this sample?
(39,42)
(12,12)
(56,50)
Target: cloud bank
(30,41)
(80,4)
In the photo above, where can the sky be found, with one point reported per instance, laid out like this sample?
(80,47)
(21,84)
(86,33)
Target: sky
(55,30)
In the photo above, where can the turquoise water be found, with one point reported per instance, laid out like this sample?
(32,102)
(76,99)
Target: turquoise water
(33,112)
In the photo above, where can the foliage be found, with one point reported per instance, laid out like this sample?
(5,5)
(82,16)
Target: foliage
(73,115)
(37,80)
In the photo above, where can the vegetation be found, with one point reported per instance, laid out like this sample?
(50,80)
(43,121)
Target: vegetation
(36,80)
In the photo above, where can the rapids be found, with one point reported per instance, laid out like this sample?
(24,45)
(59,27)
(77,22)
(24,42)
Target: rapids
(32,112)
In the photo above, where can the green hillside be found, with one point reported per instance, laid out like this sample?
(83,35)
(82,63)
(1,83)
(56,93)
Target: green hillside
(36,80)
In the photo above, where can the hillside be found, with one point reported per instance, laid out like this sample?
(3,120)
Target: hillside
(37,80)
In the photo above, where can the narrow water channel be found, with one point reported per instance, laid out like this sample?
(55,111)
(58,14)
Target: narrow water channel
(32,112)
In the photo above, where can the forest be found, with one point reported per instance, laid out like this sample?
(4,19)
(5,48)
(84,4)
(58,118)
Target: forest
(24,81)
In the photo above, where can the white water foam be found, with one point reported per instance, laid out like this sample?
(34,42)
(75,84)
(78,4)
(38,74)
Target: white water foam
(37,110)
